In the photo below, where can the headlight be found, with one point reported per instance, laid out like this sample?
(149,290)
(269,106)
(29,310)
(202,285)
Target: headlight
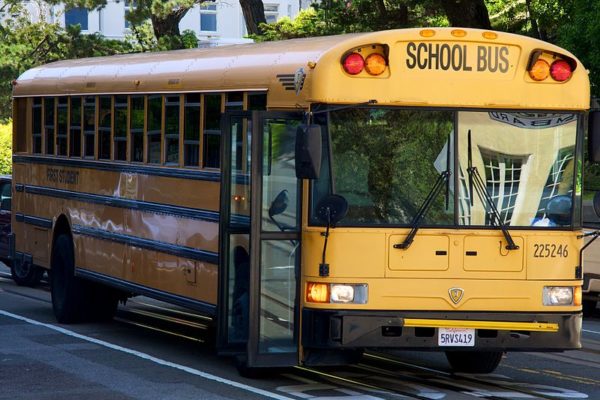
(337,293)
(558,296)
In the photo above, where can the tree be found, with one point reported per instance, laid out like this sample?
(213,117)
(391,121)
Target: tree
(5,148)
(467,13)
(254,15)
(25,44)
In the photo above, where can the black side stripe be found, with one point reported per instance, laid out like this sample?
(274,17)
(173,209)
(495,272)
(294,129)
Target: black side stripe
(205,308)
(116,166)
(193,213)
(35,221)
(148,244)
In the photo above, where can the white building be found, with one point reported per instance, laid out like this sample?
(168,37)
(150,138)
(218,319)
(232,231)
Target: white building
(218,22)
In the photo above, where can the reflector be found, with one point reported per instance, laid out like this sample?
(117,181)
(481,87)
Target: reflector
(560,70)
(354,63)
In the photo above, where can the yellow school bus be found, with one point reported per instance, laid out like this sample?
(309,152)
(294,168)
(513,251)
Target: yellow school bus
(405,189)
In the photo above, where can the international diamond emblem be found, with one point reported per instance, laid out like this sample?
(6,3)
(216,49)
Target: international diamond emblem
(456,294)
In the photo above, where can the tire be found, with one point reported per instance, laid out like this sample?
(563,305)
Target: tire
(474,362)
(25,274)
(589,307)
(68,292)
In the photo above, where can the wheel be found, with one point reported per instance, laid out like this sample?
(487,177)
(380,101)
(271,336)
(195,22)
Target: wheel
(68,292)
(25,274)
(589,307)
(476,362)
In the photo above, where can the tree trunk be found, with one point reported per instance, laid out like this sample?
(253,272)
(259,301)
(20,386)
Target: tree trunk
(166,26)
(467,13)
(254,15)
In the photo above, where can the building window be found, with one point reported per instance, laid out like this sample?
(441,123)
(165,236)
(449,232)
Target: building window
(556,183)
(503,176)
(271,13)
(77,16)
(208,17)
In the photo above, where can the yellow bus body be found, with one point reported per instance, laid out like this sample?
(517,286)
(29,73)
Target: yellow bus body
(154,228)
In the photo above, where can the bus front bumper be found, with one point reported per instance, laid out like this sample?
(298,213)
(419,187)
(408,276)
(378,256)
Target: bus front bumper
(326,329)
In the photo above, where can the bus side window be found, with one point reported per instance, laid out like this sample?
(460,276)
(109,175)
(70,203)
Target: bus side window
(104,128)
(137,128)
(75,127)
(191,124)
(49,129)
(62,126)
(36,126)
(154,128)
(120,136)
(212,130)
(172,108)
(89,126)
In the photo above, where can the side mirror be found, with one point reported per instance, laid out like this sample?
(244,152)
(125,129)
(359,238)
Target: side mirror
(308,151)
(594,136)
(331,209)
(279,204)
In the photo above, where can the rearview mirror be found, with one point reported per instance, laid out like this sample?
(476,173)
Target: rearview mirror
(594,136)
(308,151)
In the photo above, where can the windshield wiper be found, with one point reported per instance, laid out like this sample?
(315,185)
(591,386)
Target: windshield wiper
(476,180)
(444,177)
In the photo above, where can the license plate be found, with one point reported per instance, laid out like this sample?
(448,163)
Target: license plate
(456,337)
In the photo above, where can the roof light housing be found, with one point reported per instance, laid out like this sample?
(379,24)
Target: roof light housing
(543,64)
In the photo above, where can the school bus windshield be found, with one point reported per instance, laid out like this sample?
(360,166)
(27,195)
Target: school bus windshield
(386,162)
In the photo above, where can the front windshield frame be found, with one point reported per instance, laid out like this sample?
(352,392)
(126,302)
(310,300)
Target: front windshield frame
(321,115)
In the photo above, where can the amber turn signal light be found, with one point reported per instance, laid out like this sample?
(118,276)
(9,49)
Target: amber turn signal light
(375,64)
(540,70)
(317,292)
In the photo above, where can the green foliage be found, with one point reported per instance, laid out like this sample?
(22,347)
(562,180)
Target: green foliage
(332,17)
(579,33)
(25,44)
(6,148)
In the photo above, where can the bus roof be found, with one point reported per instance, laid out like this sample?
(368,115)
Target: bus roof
(439,70)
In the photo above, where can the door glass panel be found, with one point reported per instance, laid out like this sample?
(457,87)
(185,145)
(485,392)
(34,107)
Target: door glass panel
(241,129)
(237,288)
(277,296)
(280,186)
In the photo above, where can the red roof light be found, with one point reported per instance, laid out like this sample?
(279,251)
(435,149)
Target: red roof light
(560,70)
(354,63)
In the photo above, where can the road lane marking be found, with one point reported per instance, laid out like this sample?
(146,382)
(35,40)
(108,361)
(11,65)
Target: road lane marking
(148,357)
(589,331)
